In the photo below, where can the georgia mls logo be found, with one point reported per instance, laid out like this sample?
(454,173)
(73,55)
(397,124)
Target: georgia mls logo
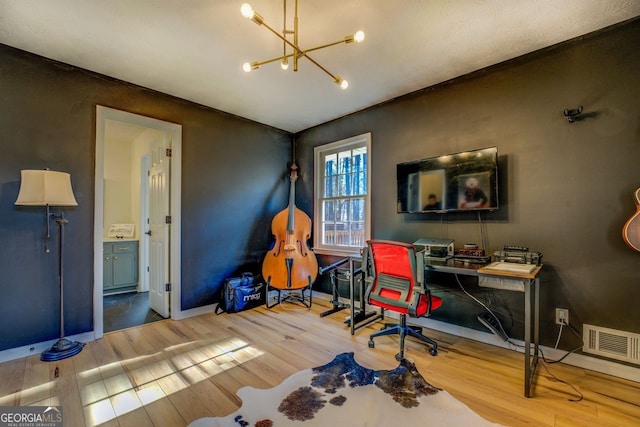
(54,410)
(31,416)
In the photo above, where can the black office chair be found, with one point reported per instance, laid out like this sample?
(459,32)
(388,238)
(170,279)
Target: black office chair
(395,275)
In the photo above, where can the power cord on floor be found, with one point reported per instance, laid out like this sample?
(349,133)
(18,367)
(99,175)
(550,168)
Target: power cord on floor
(544,362)
(495,326)
(546,368)
(494,323)
(570,328)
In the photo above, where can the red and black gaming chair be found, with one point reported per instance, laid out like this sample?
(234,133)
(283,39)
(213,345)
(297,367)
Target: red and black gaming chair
(395,281)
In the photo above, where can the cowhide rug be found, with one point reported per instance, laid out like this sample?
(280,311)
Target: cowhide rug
(343,393)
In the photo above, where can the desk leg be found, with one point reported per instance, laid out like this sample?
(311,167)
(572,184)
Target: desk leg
(527,337)
(531,361)
(352,292)
(536,331)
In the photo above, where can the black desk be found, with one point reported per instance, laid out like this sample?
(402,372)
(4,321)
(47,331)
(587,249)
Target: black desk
(529,283)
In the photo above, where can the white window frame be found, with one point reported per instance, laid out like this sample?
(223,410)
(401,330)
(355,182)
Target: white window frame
(319,153)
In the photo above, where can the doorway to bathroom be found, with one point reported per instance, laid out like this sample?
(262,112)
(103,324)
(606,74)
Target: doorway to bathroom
(135,231)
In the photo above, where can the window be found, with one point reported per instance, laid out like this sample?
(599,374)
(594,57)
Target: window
(342,202)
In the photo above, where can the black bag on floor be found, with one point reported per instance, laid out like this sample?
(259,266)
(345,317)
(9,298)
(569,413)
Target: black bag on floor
(241,293)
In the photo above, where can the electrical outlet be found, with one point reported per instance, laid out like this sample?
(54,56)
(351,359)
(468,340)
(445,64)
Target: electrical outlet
(562,316)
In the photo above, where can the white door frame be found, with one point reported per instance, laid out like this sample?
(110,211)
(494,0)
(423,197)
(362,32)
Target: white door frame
(102,115)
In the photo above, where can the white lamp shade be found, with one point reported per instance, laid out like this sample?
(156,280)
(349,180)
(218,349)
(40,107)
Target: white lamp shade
(45,187)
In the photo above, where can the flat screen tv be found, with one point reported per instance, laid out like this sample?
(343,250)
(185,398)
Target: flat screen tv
(466,181)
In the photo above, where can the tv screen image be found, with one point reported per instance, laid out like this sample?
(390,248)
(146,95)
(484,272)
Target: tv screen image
(454,182)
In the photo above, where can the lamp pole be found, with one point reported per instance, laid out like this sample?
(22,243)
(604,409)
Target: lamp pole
(63,348)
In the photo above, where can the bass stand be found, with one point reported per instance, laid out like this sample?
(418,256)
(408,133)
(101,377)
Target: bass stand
(337,305)
(359,317)
(289,295)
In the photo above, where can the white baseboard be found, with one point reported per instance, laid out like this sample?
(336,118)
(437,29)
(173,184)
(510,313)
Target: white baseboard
(206,309)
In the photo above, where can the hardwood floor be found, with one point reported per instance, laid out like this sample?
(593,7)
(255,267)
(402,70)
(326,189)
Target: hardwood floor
(169,373)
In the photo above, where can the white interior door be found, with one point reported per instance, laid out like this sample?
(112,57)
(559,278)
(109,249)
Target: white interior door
(145,164)
(159,223)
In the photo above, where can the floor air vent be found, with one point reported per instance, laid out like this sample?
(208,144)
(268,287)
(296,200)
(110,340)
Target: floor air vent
(611,343)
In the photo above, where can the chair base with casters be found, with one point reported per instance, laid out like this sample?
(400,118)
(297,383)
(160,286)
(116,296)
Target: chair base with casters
(395,275)
(404,330)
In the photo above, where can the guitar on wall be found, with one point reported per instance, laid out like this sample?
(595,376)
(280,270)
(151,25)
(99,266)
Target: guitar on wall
(631,230)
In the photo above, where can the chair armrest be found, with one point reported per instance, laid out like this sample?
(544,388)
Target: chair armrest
(420,267)
(367,292)
(412,310)
(420,288)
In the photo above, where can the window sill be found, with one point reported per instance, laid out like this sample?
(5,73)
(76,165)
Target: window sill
(338,252)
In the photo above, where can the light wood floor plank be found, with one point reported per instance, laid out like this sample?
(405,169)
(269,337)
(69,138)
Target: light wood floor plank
(36,386)
(12,374)
(188,405)
(66,390)
(163,414)
(137,418)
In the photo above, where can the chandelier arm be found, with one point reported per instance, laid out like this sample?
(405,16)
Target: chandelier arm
(301,52)
(284,28)
(323,46)
(269,61)
(280,36)
(333,76)
(295,36)
(280,58)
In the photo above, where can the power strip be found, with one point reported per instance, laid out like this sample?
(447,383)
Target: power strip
(492,324)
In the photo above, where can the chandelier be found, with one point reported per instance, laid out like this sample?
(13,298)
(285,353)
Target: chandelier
(290,40)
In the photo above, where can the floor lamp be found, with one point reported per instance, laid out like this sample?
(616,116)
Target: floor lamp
(50,188)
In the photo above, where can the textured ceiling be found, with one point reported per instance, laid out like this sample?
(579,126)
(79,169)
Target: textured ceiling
(195,49)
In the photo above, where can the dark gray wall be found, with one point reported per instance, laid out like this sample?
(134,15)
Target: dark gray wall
(567,189)
(234,181)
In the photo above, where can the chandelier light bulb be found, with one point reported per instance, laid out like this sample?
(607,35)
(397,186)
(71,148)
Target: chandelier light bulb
(359,37)
(342,83)
(248,66)
(284,64)
(246,10)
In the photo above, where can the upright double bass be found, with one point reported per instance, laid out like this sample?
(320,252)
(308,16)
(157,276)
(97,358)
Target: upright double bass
(290,264)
